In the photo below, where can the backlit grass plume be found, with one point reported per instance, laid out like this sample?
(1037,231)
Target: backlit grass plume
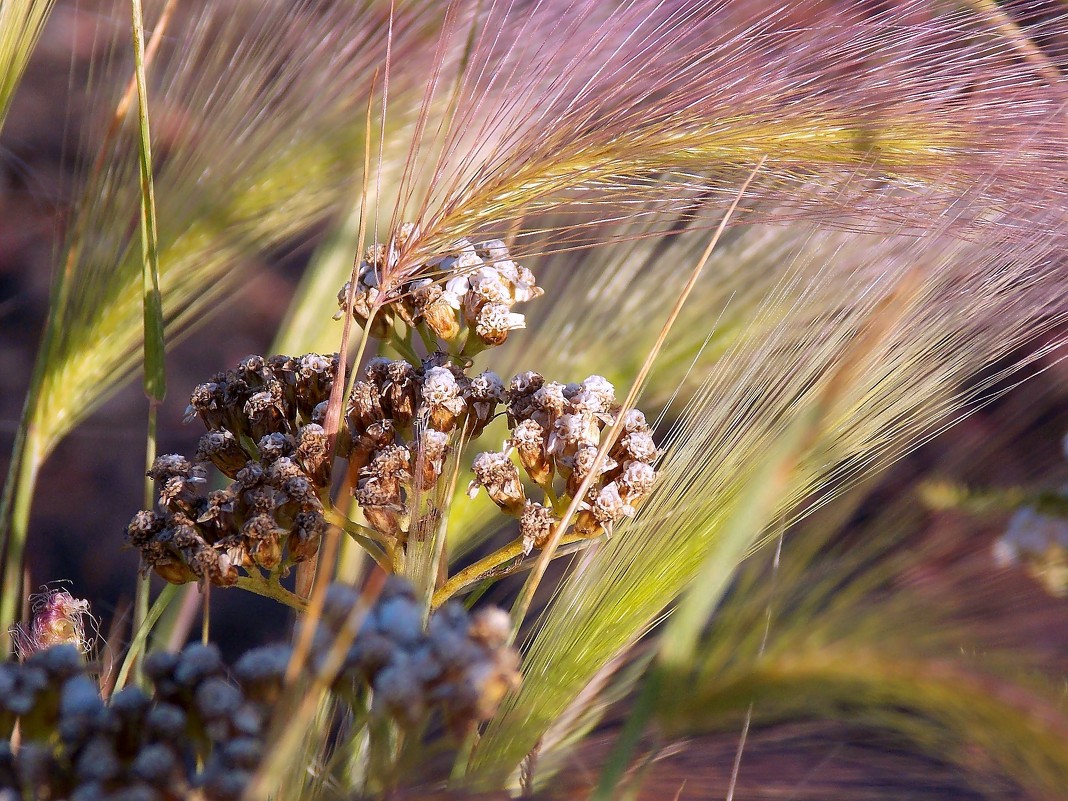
(864,207)
(847,363)
(670,101)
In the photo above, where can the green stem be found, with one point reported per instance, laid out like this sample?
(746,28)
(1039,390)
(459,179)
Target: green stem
(550,495)
(489,567)
(403,346)
(137,647)
(261,586)
(142,593)
(430,342)
(380,548)
(15,516)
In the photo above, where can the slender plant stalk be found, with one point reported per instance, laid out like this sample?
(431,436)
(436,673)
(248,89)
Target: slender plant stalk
(154,361)
(140,638)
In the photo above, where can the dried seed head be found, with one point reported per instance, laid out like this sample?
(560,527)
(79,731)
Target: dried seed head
(264,545)
(143,528)
(601,386)
(500,477)
(590,403)
(166,563)
(366,294)
(178,494)
(392,463)
(634,420)
(636,481)
(494,321)
(174,465)
(399,393)
(251,475)
(528,438)
(274,446)
(582,465)
(281,470)
(638,446)
(212,567)
(607,508)
(365,406)
(313,454)
(430,447)
(485,287)
(483,393)
(441,398)
(439,308)
(520,395)
(266,412)
(253,370)
(536,525)
(550,399)
(206,402)
(222,450)
(571,433)
(306,535)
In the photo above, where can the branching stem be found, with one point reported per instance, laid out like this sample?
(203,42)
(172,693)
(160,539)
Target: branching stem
(268,589)
(490,567)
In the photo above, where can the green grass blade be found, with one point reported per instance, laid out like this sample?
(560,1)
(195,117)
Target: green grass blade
(140,639)
(155,372)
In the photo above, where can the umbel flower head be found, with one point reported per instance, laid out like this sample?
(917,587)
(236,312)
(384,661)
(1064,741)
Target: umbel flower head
(403,419)
(470,286)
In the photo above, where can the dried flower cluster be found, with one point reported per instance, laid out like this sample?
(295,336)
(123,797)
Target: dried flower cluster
(196,730)
(403,419)
(460,666)
(264,434)
(481,286)
(556,431)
